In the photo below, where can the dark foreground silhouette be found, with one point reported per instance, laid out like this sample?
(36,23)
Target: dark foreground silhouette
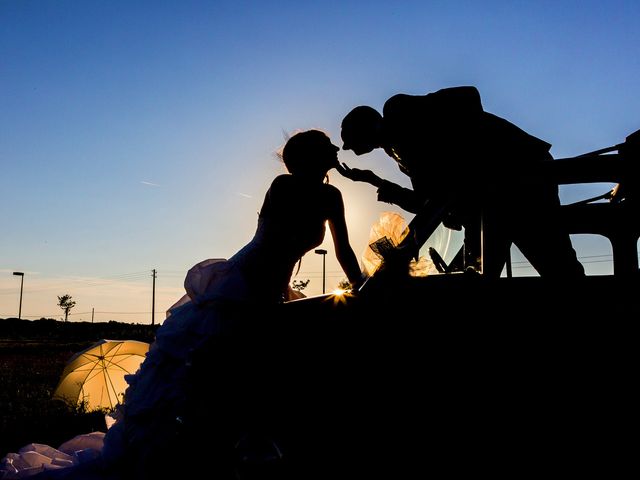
(458,373)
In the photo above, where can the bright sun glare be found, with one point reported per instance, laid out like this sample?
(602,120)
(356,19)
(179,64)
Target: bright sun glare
(339,296)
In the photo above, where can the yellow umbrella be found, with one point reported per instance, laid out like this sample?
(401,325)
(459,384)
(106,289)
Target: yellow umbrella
(96,374)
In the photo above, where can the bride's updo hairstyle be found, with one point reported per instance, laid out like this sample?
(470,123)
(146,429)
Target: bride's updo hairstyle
(299,153)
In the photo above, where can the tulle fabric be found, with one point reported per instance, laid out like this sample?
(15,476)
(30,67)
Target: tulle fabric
(387,233)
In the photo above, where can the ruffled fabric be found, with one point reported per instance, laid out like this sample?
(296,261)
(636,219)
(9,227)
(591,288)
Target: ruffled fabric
(36,458)
(157,390)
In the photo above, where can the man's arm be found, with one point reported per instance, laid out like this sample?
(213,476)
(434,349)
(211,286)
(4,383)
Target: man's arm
(388,192)
(405,198)
(357,175)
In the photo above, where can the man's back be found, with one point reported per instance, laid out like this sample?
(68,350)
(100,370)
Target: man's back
(448,132)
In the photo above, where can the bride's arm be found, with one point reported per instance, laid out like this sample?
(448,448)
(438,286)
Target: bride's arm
(344,252)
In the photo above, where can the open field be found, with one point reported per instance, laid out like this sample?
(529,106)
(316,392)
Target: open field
(32,357)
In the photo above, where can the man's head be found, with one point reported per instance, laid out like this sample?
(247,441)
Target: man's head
(362,130)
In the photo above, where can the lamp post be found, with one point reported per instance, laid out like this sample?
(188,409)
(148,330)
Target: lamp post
(21,275)
(322,252)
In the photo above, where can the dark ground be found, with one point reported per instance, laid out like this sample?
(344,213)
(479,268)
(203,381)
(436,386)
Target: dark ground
(32,357)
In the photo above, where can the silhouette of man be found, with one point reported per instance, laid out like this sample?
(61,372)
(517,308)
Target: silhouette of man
(476,166)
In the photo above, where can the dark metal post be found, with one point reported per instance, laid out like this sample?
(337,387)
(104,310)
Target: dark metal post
(21,274)
(153,299)
(322,252)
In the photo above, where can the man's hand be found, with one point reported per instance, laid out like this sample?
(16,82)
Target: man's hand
(358,175)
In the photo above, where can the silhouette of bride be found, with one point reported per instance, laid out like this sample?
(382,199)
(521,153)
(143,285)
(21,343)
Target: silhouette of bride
(258,275)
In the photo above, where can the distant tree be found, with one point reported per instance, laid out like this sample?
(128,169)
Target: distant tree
(300,285)
(345,285)
(66,304)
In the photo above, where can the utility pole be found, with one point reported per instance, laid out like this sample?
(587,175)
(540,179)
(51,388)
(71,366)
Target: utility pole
(153,299)
(92,312)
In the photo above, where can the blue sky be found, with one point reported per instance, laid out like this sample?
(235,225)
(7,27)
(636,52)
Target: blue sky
(141,134)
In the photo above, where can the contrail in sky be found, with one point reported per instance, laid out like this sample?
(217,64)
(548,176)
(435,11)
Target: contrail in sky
(244,195)
(151,184)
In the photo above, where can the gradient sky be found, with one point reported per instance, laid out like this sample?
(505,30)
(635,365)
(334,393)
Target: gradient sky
(141,134)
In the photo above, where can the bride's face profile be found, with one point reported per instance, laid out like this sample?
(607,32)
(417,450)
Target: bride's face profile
(328,154)
(310,152)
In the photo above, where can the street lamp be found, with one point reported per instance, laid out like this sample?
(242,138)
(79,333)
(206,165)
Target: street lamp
(322,252)
(21,275)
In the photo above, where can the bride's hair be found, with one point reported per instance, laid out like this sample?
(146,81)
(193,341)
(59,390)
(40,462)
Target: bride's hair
(299,151)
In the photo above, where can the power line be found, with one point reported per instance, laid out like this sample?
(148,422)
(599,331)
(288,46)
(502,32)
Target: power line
(84,283)
(79,313)
(124,313)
